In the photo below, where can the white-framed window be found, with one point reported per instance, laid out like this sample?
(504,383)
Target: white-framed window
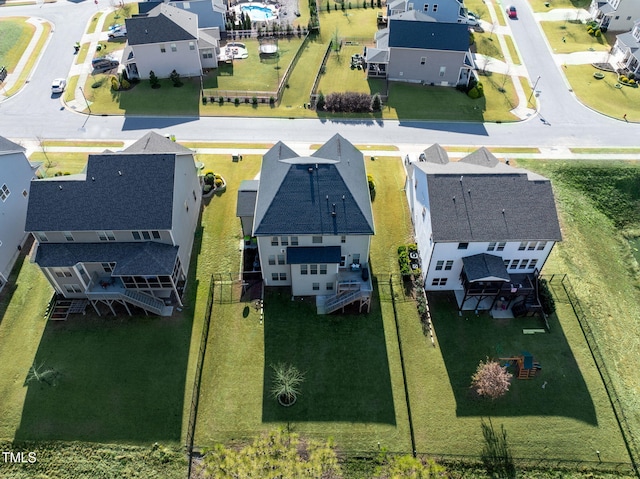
(42,237)
(501,246)
(106,236)
(316,239)
(283,276)
(443,71)
(523,246)
(146,236)
(313,268)
(448,265)
(492,246)
(506,262)
(108,267)
(323,269)
(425,7)
(174,48)
(343,261)
(272,259)
(343,239)
(523,264)
(4,192)
(274,241)
(192,46)
(207,54)
(155,234)
(72,288)
(25,193)
(280,259)
(533,263)
(294,241)
(62,272)
(514,264)
(316,286)
(542,245)
(423,60)
(435,7)
(274,276)
(329,286)
(356,258)
(531,246)
(463,245)
(304,269)
(163,48)
(284,241)
(68,236)
(439,265)
(136,235)
(439,282)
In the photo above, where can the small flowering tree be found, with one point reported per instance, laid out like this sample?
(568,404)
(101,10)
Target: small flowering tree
(491,380)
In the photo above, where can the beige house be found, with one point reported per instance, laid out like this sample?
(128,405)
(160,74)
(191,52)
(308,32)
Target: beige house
(313,222)
(122,231)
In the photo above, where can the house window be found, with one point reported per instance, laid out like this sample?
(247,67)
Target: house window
(514,264)
(316,286)
(280,259)
(316,239)
(163,49)
(4,192)
(323,269)
(533,263)
(439,265)
(284,241)
(72,288)
(449,265)
(68,236)
(506,262)
(492,246)
(542,245)
(343,239)
(329,287)
(155,234)
(523,264)
(304,269)
(356,258)
(463,245)
(106,236)
(443,70)
(435,7)
(136,235)
(501,246)
(425,8)
(146,235)
(531,246)
(439,282)
(207,54)
(62,273)
(274,241)
(274,276)
(423,60)
(186,6)
(42,237)
(25,193)
(192,46)
(523,246)
(283,276)
(294,241)
(272,259)
(314,269)
(343,261)
(174,48)
(108,267)
(628,18)
(617,17)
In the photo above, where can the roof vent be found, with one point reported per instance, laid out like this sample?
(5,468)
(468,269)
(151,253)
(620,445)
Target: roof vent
(342,197)
(93,178)
(119,173)
(60,186)
(502,210)
(460,178)
(311,169)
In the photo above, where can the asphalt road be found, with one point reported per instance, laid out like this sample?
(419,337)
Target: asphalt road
(34,113)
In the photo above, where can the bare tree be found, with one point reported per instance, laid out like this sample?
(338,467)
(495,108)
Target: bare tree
(491,380)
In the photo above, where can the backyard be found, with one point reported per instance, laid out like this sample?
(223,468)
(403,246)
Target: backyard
(572,36)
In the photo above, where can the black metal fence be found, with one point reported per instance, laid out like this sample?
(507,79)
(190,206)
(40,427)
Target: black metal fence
(618,409)
(195,396)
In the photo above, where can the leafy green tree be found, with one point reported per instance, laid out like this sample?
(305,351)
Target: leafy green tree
(286,383)
(277,454)
(153,79)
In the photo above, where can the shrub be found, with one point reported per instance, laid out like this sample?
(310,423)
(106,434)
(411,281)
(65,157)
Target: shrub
(624,79)
(546,298)
(597,33)
(632,81)
(272,101)
(402,248)
(221,100)
(115,84)
(475,93)
(209,178)
(254,101)
(376,103)
(320,102)
(236,102)
(175,79)
(218,182)
(204,100)
(206,188)
(124,84)
(153,79)
(631,75)
(350,102)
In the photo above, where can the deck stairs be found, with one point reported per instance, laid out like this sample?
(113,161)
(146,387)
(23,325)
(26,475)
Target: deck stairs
(335,302)
(148,303)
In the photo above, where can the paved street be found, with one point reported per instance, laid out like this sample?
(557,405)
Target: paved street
(33,113)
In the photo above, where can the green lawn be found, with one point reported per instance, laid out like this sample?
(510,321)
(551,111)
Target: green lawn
(601,95)
(512,50)
(110,46)
(576,37)
(16,34)
(355,23)
(487,44)
(33,58)
(94,23)
(118,15)
(82,53)
(539,5)
(71,163)
(340,77)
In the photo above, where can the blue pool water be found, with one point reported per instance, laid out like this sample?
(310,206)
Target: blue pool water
(257,14)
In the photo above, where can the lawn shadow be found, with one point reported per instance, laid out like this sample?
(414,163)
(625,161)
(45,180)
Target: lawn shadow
(343,358)
(558,390)
(10,288)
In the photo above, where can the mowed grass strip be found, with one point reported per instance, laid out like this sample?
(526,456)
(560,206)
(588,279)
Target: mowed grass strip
(213,144)
(16,34)
(33,58)
(545,5)
(70,163)
(83,143)
(576,37)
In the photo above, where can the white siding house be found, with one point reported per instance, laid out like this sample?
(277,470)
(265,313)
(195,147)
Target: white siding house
(313,222)
(123,231)
(16,174)
(615,15)
(479,222)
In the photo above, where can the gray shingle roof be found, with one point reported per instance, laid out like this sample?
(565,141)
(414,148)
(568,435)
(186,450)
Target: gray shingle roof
(9,146)
(313,254)
(491,206)
(481,157)
(297,194)
(152,142)
(132,259)
(435,154)
(163,23)
(485,267)
(120,192)
(247,193)
(427,35)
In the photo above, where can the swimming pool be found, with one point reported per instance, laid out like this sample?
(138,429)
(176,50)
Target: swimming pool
(257,13)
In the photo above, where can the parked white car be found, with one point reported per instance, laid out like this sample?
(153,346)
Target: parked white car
(472,21)
(58,85)
(118,32)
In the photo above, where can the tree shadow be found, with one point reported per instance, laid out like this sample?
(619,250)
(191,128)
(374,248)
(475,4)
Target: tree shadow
(343,357)
(468,339)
